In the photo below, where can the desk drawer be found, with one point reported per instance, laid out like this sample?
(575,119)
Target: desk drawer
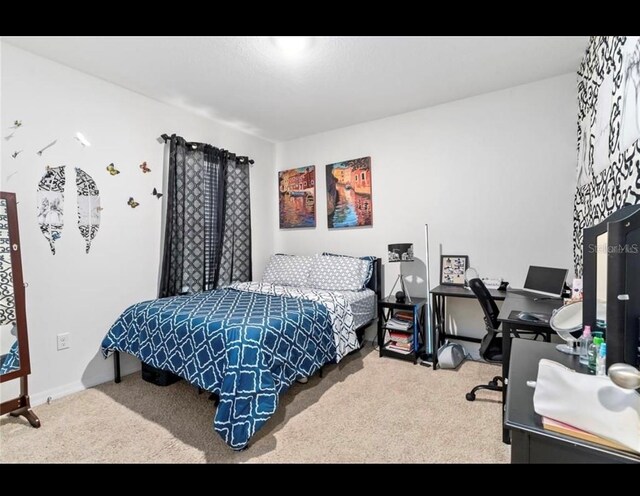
(531,448)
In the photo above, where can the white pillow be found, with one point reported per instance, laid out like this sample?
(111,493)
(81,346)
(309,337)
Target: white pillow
(339,273)
(288,270)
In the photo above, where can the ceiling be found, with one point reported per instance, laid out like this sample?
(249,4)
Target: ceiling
(249,83)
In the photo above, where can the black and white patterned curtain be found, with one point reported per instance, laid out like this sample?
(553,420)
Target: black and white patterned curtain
(197,254)
(235,265)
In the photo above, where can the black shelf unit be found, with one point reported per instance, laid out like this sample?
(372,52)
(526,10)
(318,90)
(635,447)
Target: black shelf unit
(386,309)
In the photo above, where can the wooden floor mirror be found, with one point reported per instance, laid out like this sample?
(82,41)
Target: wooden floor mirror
(14,343)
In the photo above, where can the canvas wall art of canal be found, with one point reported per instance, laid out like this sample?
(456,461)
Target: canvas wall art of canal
(297,197)
(349,201)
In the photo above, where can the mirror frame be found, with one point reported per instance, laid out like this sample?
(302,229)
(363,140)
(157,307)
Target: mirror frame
(18,290)
(589,262)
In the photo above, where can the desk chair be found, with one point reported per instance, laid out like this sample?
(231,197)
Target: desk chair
(491,344)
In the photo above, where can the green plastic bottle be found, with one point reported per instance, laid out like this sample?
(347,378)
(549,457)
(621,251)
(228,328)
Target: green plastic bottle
(594,347)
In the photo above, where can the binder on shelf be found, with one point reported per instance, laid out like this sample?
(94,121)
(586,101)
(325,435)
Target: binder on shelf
(401,338)
(394,348)
(401,346)
(397,324)
(403,315)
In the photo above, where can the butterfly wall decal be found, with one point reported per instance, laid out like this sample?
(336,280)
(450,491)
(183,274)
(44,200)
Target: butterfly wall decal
(144,167)
(39,152)
(15,154)
(16,124)
(112,169)
(156,194)
(132,203)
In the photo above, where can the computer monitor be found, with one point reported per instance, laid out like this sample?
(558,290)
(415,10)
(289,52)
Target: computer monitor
(545,280)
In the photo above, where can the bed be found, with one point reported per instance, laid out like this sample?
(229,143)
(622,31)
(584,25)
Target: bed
(246,343)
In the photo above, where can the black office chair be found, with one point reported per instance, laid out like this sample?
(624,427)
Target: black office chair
(491,344)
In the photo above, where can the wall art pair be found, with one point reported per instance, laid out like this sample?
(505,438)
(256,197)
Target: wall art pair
(349,202)
(50,198)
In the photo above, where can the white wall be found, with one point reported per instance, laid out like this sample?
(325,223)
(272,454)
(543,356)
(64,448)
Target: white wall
(492,175)
(72,291)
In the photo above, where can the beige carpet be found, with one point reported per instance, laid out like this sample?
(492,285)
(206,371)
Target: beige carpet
(366,409)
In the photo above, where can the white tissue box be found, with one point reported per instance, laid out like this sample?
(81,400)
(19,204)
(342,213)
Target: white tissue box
(591,403)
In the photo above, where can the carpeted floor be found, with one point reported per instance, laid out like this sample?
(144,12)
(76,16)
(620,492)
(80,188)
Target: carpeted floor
(367,409)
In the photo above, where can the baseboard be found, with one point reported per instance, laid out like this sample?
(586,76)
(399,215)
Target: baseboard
(73,387)
(58,392)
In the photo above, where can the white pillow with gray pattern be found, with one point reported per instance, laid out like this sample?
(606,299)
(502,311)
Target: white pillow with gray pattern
(339,273)
(289,270)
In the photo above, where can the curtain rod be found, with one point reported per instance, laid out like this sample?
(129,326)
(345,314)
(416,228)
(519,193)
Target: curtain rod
(166,138)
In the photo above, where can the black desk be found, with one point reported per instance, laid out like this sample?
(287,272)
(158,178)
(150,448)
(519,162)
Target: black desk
(439,297)
(531,443)
(520,303)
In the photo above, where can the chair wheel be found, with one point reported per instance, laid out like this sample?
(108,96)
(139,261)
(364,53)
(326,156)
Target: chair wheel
(470,396)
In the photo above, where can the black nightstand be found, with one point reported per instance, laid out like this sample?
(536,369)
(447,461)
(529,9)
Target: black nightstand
(387,307)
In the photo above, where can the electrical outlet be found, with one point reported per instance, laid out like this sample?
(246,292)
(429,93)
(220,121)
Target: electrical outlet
(64,341)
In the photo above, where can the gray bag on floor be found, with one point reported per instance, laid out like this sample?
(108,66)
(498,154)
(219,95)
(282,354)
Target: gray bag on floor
(450,355)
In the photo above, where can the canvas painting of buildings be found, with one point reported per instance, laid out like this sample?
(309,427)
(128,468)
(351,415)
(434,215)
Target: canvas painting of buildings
(349,201)
(297,197)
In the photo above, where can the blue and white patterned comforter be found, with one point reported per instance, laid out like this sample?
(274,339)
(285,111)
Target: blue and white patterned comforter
(11,361)
(246,343)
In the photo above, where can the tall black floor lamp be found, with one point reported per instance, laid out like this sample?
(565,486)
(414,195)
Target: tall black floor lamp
(427,355)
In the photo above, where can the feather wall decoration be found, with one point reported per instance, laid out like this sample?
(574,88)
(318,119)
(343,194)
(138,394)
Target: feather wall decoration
(88,207)
(50,198)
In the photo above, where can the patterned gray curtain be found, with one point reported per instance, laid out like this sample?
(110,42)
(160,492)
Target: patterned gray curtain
(197,219)
(235,265)
(214,200)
